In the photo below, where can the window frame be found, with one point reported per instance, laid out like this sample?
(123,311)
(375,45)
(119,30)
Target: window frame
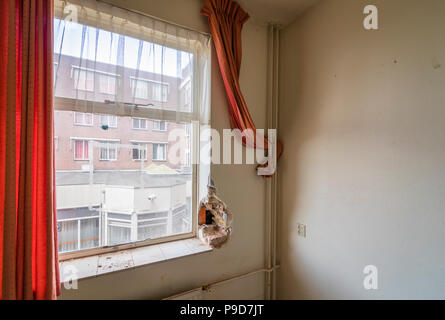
(139,151)
(76,82)
(83,124)
(108,120)
(165,144)
(191,117)
(75,140)
(139,119)
(159,122)
(103,75)
(101,146)
(134,85)
(162,86)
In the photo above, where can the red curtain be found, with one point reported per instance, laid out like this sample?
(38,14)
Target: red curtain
(28,252)
(226,19)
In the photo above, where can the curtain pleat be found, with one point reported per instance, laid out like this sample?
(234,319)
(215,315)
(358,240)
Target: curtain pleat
(28,259)
(226,19)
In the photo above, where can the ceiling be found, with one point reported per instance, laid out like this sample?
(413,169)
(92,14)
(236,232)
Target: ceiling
(276,11)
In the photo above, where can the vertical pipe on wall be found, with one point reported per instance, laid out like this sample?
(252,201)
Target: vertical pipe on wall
(271,184)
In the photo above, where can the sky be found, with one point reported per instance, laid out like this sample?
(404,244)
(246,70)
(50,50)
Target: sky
(153,57)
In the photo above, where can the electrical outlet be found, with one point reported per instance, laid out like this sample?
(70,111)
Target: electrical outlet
(301,230)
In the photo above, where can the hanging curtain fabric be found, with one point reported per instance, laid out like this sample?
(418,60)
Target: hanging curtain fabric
(127,64)
(226,19)
(28,254)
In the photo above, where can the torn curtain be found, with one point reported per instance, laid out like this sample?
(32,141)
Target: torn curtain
(28,252)
(226,19)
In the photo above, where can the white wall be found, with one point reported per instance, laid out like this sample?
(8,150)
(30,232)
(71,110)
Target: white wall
(238,185)
(86,195)
(362,118)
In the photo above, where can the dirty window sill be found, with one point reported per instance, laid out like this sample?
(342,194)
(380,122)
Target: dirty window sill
(97,265)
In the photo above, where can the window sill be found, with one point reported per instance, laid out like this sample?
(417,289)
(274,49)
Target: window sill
(97,265)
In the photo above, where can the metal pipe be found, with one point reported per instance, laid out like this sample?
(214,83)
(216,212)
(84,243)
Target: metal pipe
(207,286)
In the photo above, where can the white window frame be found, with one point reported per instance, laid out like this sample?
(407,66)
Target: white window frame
(165,151)
(139,119)
(83,123)
(87,72)
(107,122)
(103,75)
(83,149)
(78,222)
(107,146)
(134,92)
(189,116)
(161,95)
(159,125)
(140,145)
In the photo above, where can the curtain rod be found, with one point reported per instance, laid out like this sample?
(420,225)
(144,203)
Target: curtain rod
(156,18)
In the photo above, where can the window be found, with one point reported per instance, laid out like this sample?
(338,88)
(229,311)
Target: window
(139,124)
(108,120)
(108,151)
(107,84)
(81,150)
(83,119)
(118,188)
(159,125)
(139,89)
(159,92)
(159,151)
(139,151)
(81,232)
(83,79)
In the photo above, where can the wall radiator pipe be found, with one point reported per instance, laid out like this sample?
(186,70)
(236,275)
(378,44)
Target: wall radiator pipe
(272,183)
(208,286)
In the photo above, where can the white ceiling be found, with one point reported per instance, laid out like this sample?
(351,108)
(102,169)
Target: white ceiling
(276,11)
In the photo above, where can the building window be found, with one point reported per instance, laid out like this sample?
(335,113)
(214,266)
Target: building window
(107,84)
(118,184)
(139,151)
(159,92)
(159,125)
(119,233)
(139,88)
(108,120)
(152,225)
(159,153)
(139,124)
(83,119)
(81,150)
(107,151)
(83,79)
(78,233)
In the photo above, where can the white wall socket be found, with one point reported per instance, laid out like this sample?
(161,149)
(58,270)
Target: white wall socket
(301,230)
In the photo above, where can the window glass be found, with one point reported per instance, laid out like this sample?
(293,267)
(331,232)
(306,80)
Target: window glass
(107,84)
(83,79)
(159,125)
(159,151)
(139,89)
(140,124)
(124,87)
